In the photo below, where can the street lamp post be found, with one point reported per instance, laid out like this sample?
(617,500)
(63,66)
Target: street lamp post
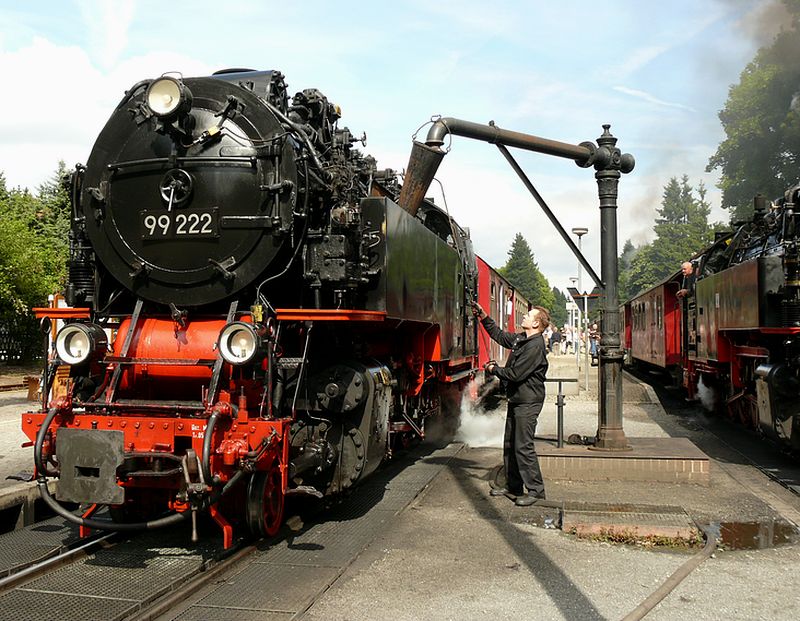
(580,231)
(576,326)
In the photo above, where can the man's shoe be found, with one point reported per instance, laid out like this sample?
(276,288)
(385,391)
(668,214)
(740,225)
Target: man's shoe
(528,499)
(503,491)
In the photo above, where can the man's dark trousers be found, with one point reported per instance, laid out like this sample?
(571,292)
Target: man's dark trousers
(519,451)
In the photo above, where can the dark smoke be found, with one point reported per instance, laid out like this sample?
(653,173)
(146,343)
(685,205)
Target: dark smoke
(764,21)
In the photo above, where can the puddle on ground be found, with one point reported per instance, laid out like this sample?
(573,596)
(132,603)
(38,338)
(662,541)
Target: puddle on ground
(756,535)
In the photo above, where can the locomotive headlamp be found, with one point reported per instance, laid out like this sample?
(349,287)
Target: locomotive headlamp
(78,342)
(239,343)
(167,97)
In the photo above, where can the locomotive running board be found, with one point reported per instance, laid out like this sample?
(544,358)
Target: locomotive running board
(314,314)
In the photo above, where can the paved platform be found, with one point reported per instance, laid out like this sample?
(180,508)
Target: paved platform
(457,553)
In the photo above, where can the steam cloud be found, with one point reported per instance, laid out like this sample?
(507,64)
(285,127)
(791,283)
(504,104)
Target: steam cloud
(479,427)
(707,396)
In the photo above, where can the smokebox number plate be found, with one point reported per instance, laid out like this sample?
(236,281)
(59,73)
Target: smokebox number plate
(179,224)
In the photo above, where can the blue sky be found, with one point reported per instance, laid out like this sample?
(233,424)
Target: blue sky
(658,72)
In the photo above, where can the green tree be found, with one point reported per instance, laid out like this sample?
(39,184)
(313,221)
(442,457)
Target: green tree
(558,312)
(681,229)
(761,118)
(625,264)
(53,217)
(522,272)
(33,256)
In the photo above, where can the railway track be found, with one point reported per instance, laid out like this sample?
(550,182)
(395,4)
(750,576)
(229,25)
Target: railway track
(748,444)
(105,578)
(30,569)
(161,575)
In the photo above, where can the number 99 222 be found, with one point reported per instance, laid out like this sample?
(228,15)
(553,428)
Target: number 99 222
(178,224)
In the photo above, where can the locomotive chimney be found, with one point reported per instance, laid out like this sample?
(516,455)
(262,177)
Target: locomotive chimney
(422,166)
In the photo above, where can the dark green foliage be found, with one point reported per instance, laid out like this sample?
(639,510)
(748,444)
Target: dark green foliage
(558,312)
(681,229)
(624,266)
(522,272)
(33,257)
(761,118)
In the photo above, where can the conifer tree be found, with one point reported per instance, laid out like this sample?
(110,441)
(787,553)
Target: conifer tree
(522,272)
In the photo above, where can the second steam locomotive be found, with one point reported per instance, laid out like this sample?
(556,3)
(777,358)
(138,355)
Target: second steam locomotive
(250,312)
(737,332)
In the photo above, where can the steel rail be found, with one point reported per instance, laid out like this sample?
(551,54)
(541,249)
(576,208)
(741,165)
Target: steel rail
(39,568)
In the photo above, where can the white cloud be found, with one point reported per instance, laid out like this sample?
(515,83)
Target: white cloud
(107,23)
(44,120)
(651,98)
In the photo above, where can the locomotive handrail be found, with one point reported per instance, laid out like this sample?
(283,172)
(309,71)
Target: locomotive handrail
(249,160)
(160,361)
(191,406)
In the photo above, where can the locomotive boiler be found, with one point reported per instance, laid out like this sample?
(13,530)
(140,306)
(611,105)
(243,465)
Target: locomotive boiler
(250,312)
(737,334)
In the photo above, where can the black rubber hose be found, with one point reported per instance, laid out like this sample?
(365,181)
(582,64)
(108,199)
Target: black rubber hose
(168,520)
(106,524)
(675,579)
(207,441)
(41,467)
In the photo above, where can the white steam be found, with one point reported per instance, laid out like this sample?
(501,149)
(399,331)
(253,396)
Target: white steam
(477,426)
(707,395)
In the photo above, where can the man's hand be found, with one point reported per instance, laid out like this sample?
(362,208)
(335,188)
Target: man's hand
(489,366)
(681,293)
(478,311)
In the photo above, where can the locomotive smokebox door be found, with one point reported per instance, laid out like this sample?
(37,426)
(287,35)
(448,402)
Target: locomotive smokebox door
(88,460)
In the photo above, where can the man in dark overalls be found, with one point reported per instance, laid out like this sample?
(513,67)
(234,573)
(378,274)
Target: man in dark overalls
(523,375)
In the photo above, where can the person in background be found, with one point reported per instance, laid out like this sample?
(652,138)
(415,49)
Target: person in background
(555,341)
(566,347)
(687,282)
(594,341)
(524,375)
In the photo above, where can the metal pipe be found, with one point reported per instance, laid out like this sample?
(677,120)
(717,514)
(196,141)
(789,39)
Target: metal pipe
(551,216)
(583,154)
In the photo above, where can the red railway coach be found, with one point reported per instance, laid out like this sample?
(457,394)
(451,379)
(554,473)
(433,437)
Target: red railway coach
(652,326)
(503,303)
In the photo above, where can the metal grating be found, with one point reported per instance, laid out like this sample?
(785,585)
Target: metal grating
(284,579)
(376,497)
(333,544)
(26,545)
(280,588)
(126,576)
(35,606)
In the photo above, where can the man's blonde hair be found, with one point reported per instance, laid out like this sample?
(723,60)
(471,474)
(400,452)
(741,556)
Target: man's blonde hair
(544,316)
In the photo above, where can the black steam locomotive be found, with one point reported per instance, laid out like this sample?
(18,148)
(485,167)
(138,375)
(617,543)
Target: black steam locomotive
(250,312)
(736,335)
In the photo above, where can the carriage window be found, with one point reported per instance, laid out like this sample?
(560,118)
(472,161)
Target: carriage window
(659,311)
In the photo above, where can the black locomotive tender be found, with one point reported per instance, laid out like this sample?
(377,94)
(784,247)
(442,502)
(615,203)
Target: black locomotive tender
(278,323)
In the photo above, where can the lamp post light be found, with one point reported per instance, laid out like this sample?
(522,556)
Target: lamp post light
(580,231)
